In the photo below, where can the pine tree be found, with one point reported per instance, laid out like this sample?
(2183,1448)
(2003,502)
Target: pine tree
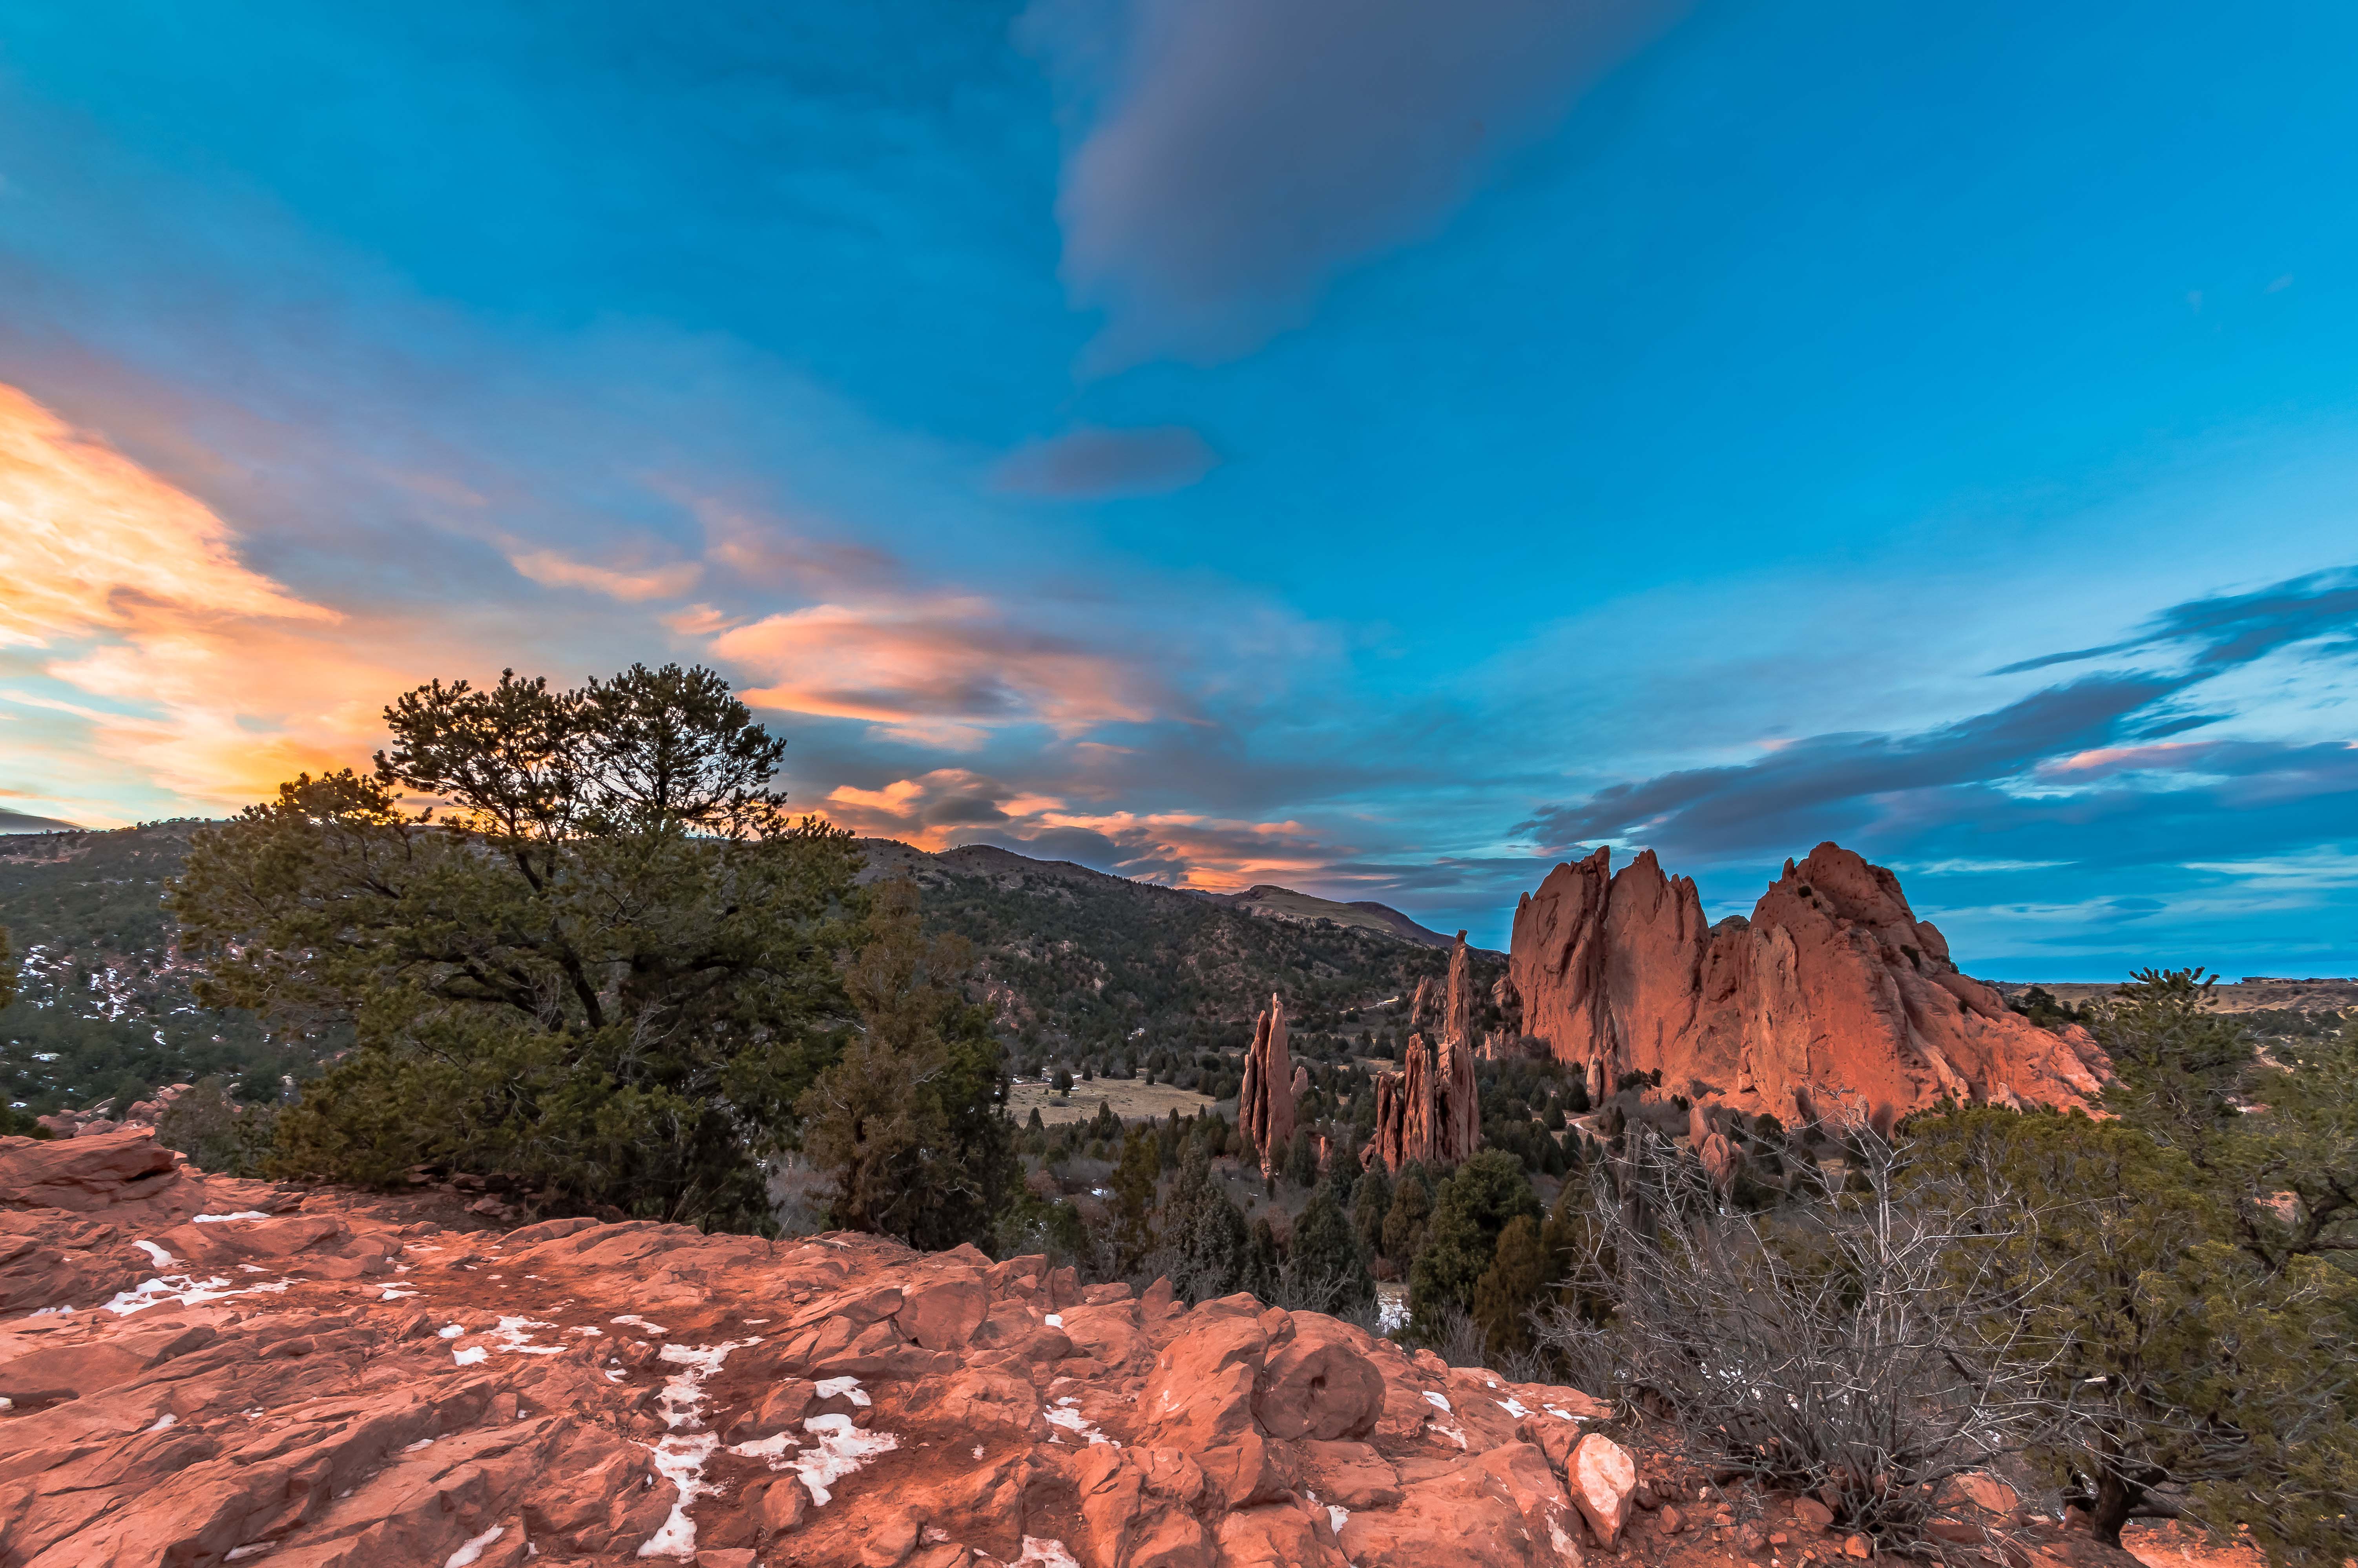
(1510,1288)
(1404,1222)
(907,1122)
(1369,1205)
(1474,1205)
(1326,1250)
(1302,1159)
(603,960)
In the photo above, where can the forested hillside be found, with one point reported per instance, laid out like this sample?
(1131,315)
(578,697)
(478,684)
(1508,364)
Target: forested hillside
(1079,968)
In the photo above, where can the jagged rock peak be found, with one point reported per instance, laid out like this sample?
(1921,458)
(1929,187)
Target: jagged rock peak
(1431,1110)
(1832,999)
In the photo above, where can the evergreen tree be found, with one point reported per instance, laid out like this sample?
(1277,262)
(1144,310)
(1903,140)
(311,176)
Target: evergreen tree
(1263,1262)
(1302,1159)
(1369,1207)
(1205,1242)
(1472,1206)
(908,1121)
(1327,1249)
(2185,1374)
(1404,1221)
(1512,1286)
(1134,1181)
(603,960)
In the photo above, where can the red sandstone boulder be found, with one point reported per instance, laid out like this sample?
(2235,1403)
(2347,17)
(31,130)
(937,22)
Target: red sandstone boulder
(1603,1479)
(83,1174)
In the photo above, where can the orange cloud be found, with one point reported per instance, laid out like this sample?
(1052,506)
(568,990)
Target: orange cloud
(942,668)
(630,585)
(949,806)
(224,680)
(90,540)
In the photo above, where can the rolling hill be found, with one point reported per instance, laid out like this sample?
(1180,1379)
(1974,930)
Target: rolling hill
(1076,966)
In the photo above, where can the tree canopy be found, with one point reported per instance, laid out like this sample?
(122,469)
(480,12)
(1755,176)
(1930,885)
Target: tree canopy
(574,933)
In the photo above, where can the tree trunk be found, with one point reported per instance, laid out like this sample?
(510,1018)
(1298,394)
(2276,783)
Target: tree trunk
(2110,1507)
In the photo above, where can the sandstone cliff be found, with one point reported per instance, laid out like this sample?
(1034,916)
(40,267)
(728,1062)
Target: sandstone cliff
(1833,999)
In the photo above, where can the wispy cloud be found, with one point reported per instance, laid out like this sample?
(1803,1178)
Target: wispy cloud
(630,585)
(200,674)
(1095,464)
(2120,769)
(90,541)
(949,807)
(940,668)
(1228,157)
(2224,630)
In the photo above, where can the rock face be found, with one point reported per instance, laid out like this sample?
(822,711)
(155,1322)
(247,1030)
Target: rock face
(1265,1103)
(1431,1110)
(1832,999)
(294,1375)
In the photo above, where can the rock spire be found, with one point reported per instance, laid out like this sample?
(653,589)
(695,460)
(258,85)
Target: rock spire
(1431,1110)
(1265,1104)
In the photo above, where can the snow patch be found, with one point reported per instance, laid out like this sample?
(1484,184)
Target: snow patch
(627,1321)
(840,1449)
(1065,1413)
(680,1457)
(471,1548)
(1514,1407)
(184,1290)
(472,1356)
(842,1388)
(1440,1402)
(1040,1554)
(224,1218)
(156,1254)
(515,1341)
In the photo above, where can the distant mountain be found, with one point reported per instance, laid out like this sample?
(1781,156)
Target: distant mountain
(24,822)
(1284,904)
(1068,954)
(1074,964)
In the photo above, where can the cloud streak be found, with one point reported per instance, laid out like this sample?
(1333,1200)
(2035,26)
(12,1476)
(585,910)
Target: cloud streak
(2105,770)
(90,541)
(1097,464)
(941,667)
(1230,156)
(949,807)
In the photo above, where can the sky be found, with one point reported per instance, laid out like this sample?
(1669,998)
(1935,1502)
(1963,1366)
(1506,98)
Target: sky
(1378,448)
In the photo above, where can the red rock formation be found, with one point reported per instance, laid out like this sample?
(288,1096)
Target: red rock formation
(1430,1110)
(1265,1103)
(304,1377)
(1834,999)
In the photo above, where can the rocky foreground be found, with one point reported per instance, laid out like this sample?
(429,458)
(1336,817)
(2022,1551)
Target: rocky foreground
(196,1370)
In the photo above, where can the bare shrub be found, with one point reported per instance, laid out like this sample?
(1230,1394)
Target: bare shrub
(1853,1343)
(1459,1338)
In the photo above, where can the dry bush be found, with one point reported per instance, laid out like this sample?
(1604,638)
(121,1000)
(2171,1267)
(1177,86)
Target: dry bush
(1852,1344)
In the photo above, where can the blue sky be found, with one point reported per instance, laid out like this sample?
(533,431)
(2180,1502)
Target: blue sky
(1368,445)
